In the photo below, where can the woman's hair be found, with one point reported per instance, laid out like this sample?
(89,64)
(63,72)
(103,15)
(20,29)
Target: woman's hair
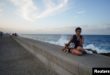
(78,28)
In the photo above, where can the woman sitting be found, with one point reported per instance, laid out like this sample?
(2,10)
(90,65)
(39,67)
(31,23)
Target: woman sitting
(78,41)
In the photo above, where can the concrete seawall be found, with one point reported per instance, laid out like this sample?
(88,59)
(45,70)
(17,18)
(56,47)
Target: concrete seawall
(64,64)
(16,60)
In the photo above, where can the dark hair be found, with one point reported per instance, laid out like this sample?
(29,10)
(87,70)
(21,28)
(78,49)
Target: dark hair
(78,28)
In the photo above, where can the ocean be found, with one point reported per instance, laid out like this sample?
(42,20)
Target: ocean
(100,43)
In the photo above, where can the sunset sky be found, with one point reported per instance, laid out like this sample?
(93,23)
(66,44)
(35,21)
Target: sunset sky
(55,16)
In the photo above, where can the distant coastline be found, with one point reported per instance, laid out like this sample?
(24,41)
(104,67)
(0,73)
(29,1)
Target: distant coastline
(105,54)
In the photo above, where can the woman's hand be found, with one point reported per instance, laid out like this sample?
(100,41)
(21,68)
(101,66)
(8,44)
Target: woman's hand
(66,44)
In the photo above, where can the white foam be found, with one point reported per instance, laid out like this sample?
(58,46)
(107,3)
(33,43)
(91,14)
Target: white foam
(93,47)
(64,39)
(61,41)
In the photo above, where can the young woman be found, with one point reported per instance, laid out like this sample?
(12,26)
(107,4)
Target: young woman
(78,41)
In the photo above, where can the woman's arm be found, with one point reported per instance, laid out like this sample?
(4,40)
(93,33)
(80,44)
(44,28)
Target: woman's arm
(70,41)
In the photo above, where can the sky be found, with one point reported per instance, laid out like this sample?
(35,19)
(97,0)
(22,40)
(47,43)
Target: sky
(55,16)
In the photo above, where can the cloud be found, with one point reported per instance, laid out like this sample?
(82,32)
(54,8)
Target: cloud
(52,8)
(1,9)
(29,11)
(25,8)
(81,12)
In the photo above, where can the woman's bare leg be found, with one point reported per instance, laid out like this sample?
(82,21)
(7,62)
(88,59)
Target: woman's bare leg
(80,48)
(76,52)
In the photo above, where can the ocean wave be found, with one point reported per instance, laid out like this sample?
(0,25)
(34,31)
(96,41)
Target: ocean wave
(93,47)
(64,39)
(61,41)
